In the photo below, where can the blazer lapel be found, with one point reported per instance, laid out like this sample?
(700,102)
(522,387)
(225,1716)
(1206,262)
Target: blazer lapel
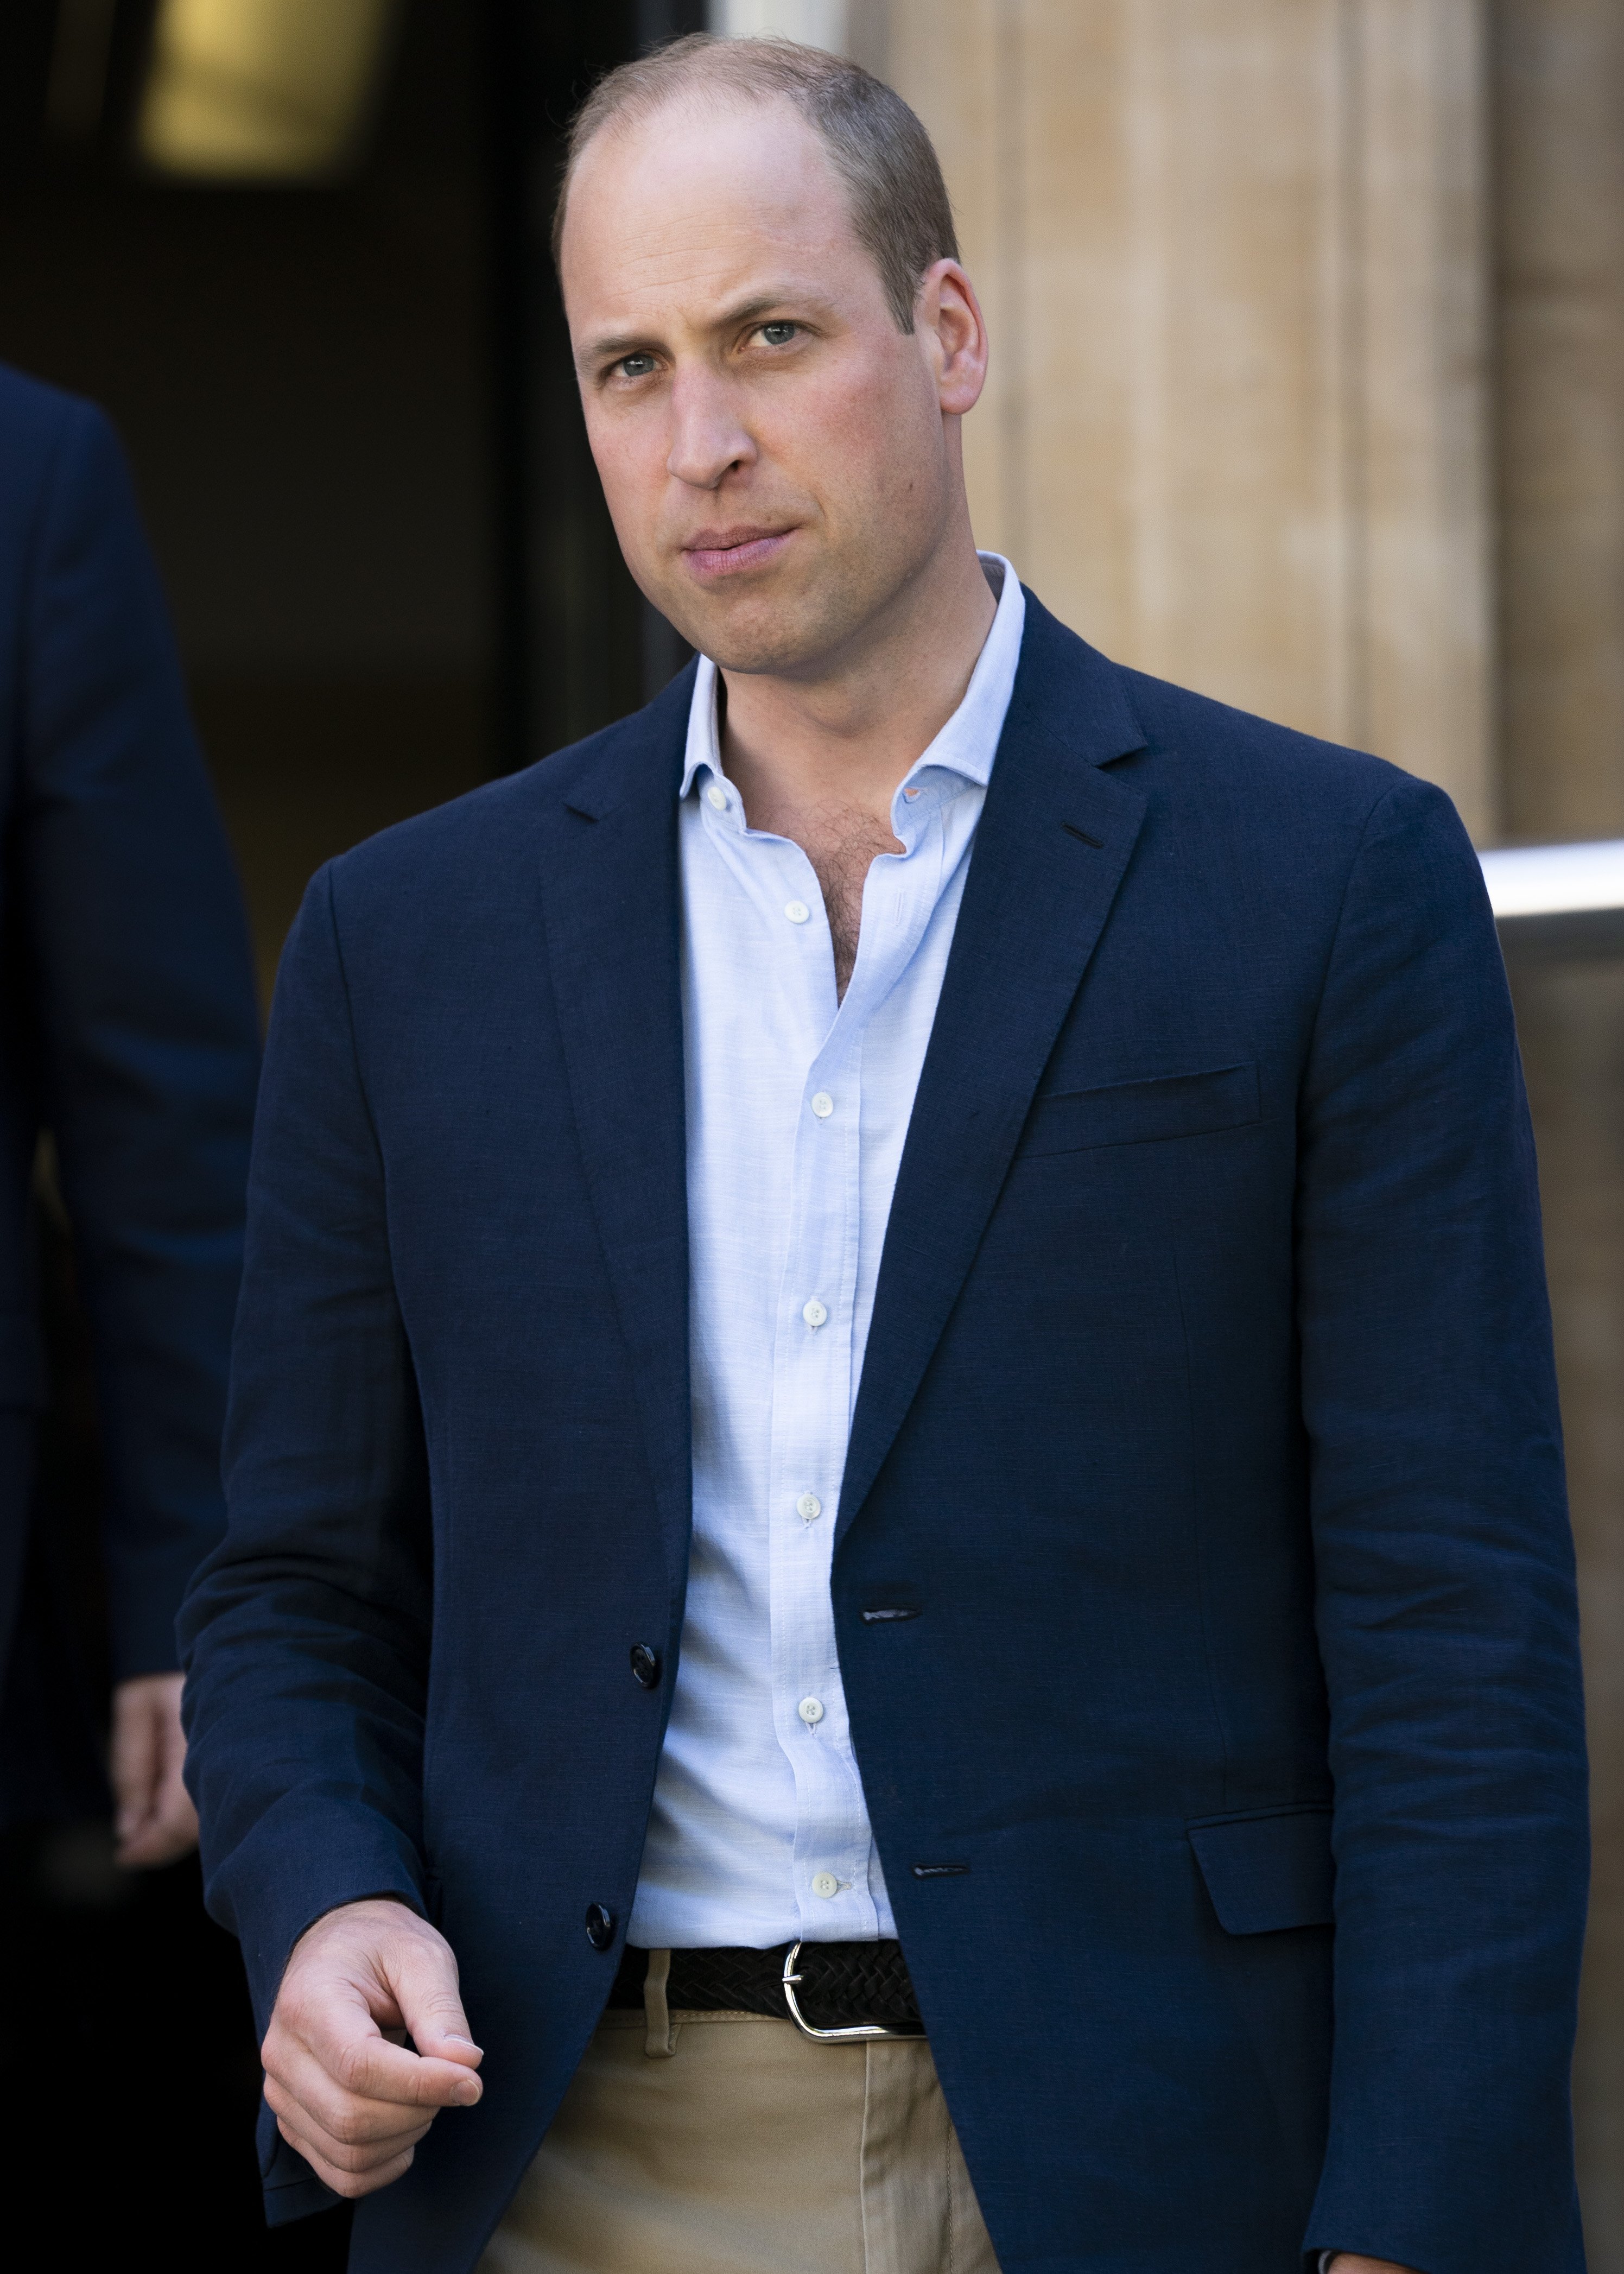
(1053,841)
(611,909)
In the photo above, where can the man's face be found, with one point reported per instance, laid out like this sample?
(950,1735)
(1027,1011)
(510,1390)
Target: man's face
(779,460)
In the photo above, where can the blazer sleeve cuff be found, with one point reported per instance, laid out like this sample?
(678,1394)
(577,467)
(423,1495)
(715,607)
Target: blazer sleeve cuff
(281,1880)
(291,2188)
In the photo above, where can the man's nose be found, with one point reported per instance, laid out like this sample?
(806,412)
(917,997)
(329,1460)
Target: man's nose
(708,438)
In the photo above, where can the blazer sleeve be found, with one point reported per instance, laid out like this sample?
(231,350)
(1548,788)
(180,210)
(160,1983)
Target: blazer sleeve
(1445,1599)
(306,1633)
(143,1002)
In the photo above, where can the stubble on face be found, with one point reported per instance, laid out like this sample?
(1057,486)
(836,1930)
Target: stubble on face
(771,445)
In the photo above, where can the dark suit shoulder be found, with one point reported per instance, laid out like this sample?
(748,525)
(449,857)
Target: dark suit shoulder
(1188,745)
(37,423)
(32,410)
(1197,729)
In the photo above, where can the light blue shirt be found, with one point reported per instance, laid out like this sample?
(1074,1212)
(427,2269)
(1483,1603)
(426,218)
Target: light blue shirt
(798,1106)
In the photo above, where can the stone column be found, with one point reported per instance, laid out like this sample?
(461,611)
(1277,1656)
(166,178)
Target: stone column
(1560,295)
(1559,168)
(1235,261)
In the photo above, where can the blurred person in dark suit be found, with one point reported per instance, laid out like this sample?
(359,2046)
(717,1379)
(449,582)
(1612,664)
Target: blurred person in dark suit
(129,1040)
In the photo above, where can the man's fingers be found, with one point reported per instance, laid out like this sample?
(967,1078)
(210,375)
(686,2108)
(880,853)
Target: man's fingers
(349,2048)
(355,2134)
(423,1977)
(337,2175)
(338,2037)
(363,2098)
(374,2069)
(302,2090)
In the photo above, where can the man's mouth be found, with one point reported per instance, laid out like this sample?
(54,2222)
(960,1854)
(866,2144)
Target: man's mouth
(716,553)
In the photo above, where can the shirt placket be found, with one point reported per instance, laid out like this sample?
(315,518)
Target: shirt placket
(814,1385)
(812,1360)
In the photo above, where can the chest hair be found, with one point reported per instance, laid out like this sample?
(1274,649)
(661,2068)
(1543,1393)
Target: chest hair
(840,846)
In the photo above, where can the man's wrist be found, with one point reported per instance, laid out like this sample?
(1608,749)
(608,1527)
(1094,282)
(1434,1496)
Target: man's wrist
(354,1902)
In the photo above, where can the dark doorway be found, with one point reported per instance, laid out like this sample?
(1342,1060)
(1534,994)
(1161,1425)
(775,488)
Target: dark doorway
(350,410)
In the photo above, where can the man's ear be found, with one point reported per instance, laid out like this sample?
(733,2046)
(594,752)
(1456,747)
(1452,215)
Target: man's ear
(949,318)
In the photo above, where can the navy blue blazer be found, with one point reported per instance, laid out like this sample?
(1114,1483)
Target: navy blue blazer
(1230,1784)
(129,1028)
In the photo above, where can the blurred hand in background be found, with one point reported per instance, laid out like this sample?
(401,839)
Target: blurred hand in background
(156,1821)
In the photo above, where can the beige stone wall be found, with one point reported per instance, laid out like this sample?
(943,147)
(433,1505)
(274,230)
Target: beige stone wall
(1558,173)
(1234,260)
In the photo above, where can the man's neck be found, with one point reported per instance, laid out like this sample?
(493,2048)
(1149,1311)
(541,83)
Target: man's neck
(839,739)
(818,759)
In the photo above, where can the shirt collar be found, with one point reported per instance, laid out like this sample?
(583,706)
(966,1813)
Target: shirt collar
(967,743)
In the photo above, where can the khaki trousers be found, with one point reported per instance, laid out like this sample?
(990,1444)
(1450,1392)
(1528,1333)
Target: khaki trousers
(728,2143)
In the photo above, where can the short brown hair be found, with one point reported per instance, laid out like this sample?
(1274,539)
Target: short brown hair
(900,207)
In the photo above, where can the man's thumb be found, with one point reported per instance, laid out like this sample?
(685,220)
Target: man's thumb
(424,1982)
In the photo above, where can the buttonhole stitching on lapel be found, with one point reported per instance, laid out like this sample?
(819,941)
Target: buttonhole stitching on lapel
(940,1870)
(887,1611)
(1072,830)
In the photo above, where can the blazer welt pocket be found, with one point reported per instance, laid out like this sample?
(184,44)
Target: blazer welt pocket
(1135,1112)
(1269,1870)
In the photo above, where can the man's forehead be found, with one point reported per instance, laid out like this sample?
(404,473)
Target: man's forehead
(712,205)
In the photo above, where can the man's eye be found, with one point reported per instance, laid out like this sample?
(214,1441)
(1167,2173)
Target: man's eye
(635,366)
(779,336)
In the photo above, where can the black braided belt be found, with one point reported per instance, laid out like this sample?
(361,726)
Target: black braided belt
(860,1986)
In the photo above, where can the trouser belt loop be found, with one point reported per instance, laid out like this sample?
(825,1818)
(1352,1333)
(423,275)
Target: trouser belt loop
(661,2041)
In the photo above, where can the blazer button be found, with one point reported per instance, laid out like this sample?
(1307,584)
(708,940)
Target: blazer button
(599,1926)
(645,1665)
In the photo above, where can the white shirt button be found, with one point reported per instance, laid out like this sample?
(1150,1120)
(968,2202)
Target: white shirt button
(811,1712)
(822,1105)
(809,1506)
(814,1313)
(825,1884)
(797,911)
(717,797)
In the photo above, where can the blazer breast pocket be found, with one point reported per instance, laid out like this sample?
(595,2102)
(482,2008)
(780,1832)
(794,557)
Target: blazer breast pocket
(1137,1112)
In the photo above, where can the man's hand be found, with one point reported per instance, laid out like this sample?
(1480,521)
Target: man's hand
(156,1821)
(354,2103)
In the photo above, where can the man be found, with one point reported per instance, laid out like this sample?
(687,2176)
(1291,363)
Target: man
(130,1037)
(894,1307)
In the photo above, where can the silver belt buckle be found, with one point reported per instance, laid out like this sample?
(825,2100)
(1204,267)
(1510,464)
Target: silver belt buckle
(831,2037)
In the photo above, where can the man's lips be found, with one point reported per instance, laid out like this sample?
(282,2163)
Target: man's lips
(724,553)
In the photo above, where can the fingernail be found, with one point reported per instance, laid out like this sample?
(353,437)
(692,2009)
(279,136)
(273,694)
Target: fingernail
(465,2095)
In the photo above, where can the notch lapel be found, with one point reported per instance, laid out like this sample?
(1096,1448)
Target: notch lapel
(1051,846)
(612,915)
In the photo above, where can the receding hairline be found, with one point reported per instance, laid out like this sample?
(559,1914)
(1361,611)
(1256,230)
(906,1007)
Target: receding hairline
(626,122)
(880,155)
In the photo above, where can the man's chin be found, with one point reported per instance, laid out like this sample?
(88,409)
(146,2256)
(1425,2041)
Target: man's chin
(784,635)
